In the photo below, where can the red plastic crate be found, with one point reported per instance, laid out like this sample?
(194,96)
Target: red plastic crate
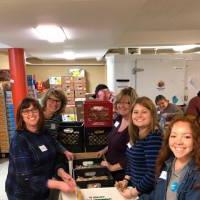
(98,113)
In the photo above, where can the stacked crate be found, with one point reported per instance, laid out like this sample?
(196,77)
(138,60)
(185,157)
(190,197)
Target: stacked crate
(98,124)
(10,114)
(80,87)
(4,139)
(67,83)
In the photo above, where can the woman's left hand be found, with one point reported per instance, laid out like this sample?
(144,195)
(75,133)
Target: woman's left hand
(66,177)
(69,155)
(106,164)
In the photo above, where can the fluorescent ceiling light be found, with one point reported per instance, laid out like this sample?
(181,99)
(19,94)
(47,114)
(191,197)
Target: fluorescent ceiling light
(69,55)
(184,47)
(51,33)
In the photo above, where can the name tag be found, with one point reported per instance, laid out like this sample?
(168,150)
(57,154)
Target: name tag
(53,126)
(43,148)
(129,145)
(116,124)
(163,175)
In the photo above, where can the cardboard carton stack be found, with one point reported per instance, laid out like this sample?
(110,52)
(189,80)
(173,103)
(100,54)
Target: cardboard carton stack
(4,139)
(67,83)
(10,114)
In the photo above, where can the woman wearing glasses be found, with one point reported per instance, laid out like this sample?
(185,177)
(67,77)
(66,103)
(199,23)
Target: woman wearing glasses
(54,103)
(32,160)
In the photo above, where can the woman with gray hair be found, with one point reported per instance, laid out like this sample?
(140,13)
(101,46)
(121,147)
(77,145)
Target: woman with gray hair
(53,105)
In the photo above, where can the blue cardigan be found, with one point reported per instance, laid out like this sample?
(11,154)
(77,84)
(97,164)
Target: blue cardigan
(187,189)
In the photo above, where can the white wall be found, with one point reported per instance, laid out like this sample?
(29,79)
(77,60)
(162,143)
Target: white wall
(180,73)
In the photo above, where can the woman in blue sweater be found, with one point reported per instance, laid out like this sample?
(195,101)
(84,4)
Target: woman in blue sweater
(142,151)
(32,158)
(178,164)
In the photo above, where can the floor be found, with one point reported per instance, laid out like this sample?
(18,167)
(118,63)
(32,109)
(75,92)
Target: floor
(3,174)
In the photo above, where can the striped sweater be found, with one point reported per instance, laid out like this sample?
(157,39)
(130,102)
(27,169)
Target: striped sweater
(141,158)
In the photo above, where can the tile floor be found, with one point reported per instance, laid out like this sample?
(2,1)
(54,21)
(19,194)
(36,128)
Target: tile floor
(3,174)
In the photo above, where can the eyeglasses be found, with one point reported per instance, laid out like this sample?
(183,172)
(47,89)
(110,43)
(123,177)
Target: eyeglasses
(54,100)
(30,111)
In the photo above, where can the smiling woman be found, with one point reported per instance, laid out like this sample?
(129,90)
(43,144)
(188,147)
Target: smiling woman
(142,151)
(178,164)
(54,102)
(30,173)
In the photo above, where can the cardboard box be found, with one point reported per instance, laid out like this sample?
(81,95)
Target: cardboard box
(80,87)
(67,79)
(107,193)
(69,94)
(80,93)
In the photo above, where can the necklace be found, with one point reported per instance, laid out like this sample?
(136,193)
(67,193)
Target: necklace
(174,186)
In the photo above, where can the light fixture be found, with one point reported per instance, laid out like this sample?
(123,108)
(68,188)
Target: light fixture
(51,33)
(184,47)
(69,55)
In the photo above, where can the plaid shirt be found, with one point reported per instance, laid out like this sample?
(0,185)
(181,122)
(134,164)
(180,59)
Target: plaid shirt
(31,163)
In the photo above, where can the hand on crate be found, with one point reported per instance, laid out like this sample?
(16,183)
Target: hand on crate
(100,154)
(69,155)
(108,165)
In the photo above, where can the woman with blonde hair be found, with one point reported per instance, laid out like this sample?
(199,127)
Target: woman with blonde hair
(115,159)
(142,151)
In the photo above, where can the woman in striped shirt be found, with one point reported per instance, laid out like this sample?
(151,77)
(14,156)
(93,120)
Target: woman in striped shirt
(142,151)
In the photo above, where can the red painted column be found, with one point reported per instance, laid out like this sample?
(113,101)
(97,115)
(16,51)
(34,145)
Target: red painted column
(17,75)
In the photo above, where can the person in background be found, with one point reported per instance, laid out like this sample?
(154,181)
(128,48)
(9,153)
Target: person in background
(178,164)
(103,93)
(166,109)
(142,151)
(193,108)
(32,157)
(115,159)
(54,103)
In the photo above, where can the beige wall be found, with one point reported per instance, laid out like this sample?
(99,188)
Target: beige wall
(94,74)
(4,64)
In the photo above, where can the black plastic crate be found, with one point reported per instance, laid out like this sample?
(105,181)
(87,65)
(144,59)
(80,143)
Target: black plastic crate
(71,135)
(96,138)
(93,177)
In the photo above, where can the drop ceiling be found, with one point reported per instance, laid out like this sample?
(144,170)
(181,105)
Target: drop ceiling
(97,27)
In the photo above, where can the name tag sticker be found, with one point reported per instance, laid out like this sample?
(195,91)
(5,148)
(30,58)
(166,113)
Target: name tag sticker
(163,175)
(53,126)
(43,148)
(129,145)
(116,124)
